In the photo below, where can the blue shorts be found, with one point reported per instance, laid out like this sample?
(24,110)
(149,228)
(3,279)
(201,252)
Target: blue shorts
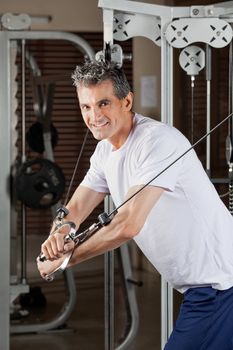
(205,321)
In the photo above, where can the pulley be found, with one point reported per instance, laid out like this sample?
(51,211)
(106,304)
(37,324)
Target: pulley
(192,60)
(35,140)
(112,53)
(40,183)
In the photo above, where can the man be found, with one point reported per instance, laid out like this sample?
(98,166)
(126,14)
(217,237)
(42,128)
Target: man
(178,221)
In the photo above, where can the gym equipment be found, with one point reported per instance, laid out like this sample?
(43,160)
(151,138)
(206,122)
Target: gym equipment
(35,140)
(229,138)
(169,27)
(42,136)
(40,183)
(192,60)
(71,235)
(158,17)
(33,299)
(7,39)
(8,87)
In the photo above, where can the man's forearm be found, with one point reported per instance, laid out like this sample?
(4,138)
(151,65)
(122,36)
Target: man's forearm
(82,203)
(126,224)
(107,238)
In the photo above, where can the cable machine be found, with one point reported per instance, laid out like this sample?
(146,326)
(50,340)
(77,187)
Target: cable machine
(168,27)
(12,40)
(173,28)
(15,32)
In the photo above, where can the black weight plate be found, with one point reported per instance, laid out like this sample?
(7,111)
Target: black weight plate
(40,183)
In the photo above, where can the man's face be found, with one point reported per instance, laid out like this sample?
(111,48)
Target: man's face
(104,114)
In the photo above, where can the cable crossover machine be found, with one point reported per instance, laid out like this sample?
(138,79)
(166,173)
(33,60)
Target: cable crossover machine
(176,28)
(39,183)
(169,28)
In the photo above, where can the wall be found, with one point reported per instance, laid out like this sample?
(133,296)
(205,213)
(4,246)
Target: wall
(147,63)
(69,15)
(147,66)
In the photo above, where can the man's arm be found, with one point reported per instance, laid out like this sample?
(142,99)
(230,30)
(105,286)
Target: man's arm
(82,203)
(126,224)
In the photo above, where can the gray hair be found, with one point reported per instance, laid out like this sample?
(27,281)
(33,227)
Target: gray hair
(95,72)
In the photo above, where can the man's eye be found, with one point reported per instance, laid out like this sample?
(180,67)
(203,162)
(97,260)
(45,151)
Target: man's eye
(84,108)
(104,104)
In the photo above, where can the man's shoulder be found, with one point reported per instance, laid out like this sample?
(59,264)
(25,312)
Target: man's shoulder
(146,126)
(148,130)
(102,147)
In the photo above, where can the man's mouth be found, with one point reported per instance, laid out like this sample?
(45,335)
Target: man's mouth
(99,125)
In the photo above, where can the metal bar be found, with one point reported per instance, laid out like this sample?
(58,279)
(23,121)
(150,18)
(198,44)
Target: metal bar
(144,8)
(230,131)
(23,159)
(166,78)
(208,100)
(170,309)
(108,289)
(109,300)
(214,10)
(60,319)
(5,207)
(164,314)
(131,298)
(166,117)
(83,45)
(108,26)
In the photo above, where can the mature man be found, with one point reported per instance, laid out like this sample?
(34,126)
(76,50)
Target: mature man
(178,220)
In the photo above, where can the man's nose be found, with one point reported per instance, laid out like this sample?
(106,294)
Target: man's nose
(95,114)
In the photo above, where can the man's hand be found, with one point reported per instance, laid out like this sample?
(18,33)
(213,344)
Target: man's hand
(49,266)
(57,243)
(55,249)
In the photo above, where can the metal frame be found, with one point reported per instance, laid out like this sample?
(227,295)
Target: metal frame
(131,297)
(166,14)
(6,38)
(5,208)
(109,292)
(5,170)
(108,289)
(144,13)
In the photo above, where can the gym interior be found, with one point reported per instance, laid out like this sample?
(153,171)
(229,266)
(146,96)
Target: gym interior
(181,75)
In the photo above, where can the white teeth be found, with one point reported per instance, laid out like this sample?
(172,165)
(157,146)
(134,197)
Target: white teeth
(100,124)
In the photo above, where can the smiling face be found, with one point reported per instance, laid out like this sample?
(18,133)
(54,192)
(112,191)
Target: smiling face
(107,116)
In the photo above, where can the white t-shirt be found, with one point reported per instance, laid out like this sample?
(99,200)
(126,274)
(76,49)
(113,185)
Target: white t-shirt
(188,235)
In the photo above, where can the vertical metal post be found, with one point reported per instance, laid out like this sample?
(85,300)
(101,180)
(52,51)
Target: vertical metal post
(166,78)
(108,26)
(166,117)
(208,100)
(230,132)
(109,288)
(23,158)
(131,298)
(5,157)
(108,207)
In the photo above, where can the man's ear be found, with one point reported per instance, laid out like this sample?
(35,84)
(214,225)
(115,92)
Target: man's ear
(128,101)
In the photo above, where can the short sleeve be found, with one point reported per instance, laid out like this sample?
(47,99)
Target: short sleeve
(95,178)
(153,158)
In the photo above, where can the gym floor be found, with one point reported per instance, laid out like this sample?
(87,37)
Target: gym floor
(84,330)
